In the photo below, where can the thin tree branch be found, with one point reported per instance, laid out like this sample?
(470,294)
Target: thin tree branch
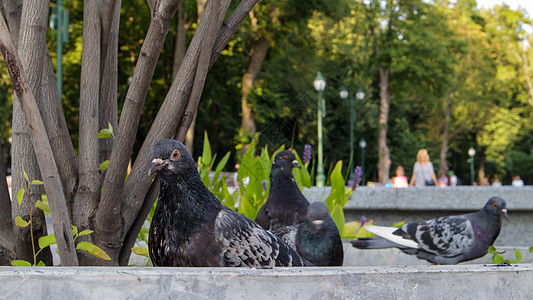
(230,25)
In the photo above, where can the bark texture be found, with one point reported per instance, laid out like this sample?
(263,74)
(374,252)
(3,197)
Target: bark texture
(32,31)
(384,161)
(43,149)
(86,198)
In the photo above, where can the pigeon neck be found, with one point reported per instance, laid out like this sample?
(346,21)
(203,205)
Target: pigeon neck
(282,179)
(487,228)
(189,199)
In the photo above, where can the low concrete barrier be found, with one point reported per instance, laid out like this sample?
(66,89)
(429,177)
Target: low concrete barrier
(416,282)
(388,206)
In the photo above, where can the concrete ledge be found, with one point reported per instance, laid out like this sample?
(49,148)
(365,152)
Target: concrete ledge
(420,282)
(430,198)
(388,206)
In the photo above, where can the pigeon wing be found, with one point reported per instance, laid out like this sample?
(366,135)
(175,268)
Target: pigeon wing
(244,243)
(287,234)
(445,236)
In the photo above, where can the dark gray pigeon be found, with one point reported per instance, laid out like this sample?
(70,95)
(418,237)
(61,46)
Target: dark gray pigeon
(317,239)
(191,228)
(286,205)
(445,240)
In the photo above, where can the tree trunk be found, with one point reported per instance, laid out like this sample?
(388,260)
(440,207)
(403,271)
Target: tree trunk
(32,32)
(86,198)
(481,168)
(443,166)
(107,113)
(189,138)
(181,41)
(7,239)
(109,223)
(384,107)
(39,137)
(173,108)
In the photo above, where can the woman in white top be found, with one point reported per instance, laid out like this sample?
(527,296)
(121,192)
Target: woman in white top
(423,172)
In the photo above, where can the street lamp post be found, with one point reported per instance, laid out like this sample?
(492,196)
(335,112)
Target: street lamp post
(362,144)
(360,96)
(320,85)
(471,153)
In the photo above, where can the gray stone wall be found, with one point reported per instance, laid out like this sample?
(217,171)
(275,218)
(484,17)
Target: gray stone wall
(388,206)
(400,282)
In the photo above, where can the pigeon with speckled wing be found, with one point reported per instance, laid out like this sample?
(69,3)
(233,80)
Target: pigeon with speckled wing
(445,240)
(317,239)
(286,205)
(191,228)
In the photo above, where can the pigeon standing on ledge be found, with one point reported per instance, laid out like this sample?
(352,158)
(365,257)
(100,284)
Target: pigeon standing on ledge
(445,240)
(191,228)
(286,205)
(317,239)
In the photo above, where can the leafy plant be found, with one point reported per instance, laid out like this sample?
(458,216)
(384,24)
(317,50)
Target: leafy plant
(497,257)
(217,184)
(46,241)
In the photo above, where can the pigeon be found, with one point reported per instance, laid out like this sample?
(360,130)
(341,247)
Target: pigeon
(445,240)
(286,205)
(192,228)
(317,239)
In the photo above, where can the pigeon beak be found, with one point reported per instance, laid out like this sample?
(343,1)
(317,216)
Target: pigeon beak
(296,164)
(318,224)
(504,213)
(157,164)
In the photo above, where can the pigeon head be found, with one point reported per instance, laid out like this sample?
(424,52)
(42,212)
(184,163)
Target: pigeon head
(285,160)
(171,157)
(496,207)
(317,213)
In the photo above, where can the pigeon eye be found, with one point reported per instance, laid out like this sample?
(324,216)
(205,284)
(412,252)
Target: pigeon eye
(284,157)
(175,154)
(494,204)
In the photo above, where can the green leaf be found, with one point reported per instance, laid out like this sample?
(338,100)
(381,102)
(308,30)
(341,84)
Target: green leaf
(350,230)
(47,240)
(104,165)
(140,251)
(497,259)
(43,206)
(105,133)
(26,176)
(93,250)
(206,154)
(221,164)
(492,250)
(85,232)
(74,230)
(36,182)
(246,162)
(399,224)
(337,214)
(531,249)
(302,173)
(518,255)
(337,195)
(20,222)
(20,263)
(41,264)
(20,195)
(511,261)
